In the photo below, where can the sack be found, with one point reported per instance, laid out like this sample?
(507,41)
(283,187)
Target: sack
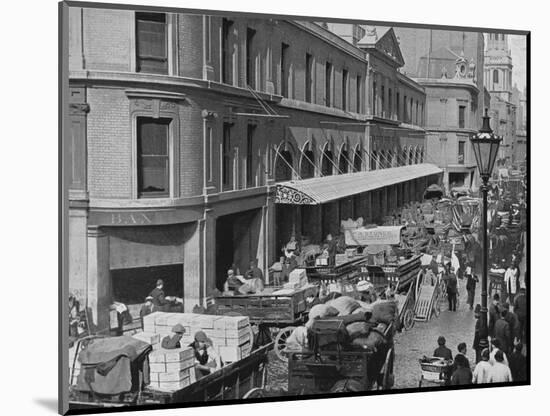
(344,304)
(322,311)
(328,334)
(384,312)
(358,329)
(372,342)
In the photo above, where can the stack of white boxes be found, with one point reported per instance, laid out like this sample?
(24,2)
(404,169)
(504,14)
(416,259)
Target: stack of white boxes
(172,369)
(230,335)
(149,338)
(297,279)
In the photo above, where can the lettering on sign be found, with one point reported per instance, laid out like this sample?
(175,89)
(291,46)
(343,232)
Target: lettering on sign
(135,218)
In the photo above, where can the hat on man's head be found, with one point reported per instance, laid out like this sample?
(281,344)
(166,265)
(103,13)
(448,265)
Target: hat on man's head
(485,354)
(178,329)
(149,299)
(160,282)
(200,336)
(441,341)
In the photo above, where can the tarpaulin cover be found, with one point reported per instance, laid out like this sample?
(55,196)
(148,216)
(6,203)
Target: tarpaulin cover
(106,364)
(390,235)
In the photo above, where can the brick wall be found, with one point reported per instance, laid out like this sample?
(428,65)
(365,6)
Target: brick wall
(107,36)
(109,144)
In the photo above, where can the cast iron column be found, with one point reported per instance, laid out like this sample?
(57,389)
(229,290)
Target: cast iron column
(483,329)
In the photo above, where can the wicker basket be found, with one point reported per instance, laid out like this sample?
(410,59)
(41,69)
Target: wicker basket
(434,370)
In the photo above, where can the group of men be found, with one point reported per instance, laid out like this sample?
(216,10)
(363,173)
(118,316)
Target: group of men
(494,366)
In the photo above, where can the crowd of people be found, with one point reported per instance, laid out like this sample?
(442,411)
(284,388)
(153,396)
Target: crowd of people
(492,366)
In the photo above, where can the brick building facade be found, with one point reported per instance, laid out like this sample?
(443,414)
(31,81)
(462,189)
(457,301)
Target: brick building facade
(183,126)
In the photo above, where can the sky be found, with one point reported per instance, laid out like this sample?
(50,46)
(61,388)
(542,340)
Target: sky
(518,45)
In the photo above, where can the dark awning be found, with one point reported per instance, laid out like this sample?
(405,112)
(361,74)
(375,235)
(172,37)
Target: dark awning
(330,188)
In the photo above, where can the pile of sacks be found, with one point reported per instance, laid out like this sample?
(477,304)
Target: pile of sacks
(364,324)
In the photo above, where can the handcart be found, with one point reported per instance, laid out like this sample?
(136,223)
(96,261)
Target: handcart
(435,371)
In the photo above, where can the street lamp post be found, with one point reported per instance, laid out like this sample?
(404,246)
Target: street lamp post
(485,145)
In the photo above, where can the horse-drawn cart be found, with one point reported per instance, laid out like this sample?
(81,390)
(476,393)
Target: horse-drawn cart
(275,312)
(233,381)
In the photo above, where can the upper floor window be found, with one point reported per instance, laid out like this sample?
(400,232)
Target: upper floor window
(307,166)
(390,103)
(344,90)
(227,52)
(309,78)
(326,163)
(250,60)
(284,70)
(382,98)
(226,154)
(283,166)
(357,162)
(495,76)
(461,146)
(343,162)
(359,94)
(374,98)
(397,103)
(153,161)
(461,115)
(405,112)
(250,155)
(417,114)
(151,43)
(328,84)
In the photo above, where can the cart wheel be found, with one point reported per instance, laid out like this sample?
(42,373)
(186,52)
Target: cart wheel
(408,319)
(255,393)
(280,342)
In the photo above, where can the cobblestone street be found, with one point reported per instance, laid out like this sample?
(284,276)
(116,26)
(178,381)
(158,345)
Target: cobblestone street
(421,340)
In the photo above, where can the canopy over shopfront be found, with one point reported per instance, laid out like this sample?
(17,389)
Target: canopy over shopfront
(317,191)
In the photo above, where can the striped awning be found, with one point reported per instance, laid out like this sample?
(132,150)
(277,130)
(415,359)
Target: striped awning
(316,191)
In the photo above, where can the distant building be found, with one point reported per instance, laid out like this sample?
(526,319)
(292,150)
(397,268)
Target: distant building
(351,33)
(498,79)
(449,65)
(519,146)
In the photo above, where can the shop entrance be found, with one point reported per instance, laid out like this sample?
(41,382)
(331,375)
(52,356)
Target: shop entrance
(237,242)
(131,286)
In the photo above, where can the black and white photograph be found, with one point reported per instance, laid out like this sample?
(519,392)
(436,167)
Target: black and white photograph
(266,207)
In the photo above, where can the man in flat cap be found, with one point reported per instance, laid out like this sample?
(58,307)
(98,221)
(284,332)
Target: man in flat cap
(171,342)
(206,358)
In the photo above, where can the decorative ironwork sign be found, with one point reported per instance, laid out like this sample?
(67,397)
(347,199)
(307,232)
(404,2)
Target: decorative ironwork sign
(287,195)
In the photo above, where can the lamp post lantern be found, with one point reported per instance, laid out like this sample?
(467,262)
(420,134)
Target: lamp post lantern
(485,145)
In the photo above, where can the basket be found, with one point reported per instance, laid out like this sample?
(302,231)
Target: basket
(434,371)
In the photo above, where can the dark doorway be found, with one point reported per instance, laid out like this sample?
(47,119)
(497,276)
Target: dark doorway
(131,286)
(237,237)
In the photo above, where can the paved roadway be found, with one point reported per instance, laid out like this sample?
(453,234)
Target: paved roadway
(421,340)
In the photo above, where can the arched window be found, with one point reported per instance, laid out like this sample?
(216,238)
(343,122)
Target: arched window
(421,154)
(495,76)
(343,164)
(404,156)
(357,163)
(283,171)
(307,167)
(417,160)
(411,155)
(374,160)
(326,163)
(383,159)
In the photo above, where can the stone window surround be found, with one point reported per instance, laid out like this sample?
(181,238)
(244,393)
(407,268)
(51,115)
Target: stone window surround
(156,105)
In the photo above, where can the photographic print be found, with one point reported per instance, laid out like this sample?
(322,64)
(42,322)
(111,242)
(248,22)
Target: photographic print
(260,207)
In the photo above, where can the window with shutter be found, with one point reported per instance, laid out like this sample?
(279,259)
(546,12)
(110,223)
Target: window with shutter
(153,157)
(151,43)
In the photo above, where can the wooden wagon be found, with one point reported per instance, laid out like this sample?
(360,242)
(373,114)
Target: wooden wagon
(275,315)
(231,382)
